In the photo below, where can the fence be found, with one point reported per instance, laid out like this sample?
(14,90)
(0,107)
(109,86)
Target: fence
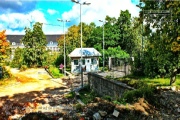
(120,64)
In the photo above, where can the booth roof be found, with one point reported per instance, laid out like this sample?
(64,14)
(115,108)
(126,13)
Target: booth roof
(86,52)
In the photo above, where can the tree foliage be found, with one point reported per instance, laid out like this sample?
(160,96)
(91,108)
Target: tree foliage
(162,30)
(4,47)
(116,52)
(125,29)
(117,32)
(35,46)
(18,58)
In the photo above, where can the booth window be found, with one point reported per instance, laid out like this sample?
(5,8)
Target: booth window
(94,61)
(75,62)
(83,62)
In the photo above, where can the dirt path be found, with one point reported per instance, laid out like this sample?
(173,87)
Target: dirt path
(27,81)
(28,89)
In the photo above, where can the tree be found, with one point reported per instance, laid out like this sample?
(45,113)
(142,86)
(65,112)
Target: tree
(96,37)
(125,31)
(116,52)
(18,58)
(4,47)
(35,46)
(163,41)
(72,41)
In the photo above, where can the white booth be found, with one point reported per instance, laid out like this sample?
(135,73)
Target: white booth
(90,60)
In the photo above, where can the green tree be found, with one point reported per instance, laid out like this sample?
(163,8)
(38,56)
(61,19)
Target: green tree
(72,41)
(116,52)
(18,58)
(125,29)
(96,37)
(35,46)
(163,41)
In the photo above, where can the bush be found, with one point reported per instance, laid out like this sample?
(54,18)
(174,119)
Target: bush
(145,91)
(6,73)
(23,67)
(55,72)
(18,58)
(79,107)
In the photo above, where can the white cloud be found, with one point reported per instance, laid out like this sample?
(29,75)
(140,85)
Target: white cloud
(50,11)
(99,9)
(15,22)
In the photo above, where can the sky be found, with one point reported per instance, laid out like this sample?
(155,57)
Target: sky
(15,15)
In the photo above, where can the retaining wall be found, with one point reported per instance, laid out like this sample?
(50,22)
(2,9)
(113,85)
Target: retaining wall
(103,86)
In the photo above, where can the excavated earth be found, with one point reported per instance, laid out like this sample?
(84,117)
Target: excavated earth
(50,103)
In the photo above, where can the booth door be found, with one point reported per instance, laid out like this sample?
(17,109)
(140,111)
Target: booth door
(88,65)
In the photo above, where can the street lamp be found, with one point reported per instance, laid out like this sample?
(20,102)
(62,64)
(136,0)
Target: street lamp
(84,3)
(64,21)
(103,41)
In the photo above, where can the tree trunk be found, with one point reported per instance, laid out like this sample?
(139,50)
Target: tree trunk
(173,76)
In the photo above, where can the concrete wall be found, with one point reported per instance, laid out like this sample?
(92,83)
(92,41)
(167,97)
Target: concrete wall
(107,87)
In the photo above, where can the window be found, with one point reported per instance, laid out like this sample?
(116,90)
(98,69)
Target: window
(83,61)
(94,61)
(51,42)
(13,43)
(76,62)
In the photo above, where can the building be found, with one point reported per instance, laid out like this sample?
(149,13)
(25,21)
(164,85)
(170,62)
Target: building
(90,60)
(15,42)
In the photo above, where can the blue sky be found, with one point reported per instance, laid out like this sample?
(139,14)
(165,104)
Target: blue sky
(15,15)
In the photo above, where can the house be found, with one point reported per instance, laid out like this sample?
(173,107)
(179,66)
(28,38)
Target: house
(90,60)
(15,42)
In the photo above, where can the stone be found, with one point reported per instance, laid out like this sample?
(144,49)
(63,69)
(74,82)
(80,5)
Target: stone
(102,113)
(176,105)
(173,88)
(116,113)
(96,116)
(178,110)
(16,116)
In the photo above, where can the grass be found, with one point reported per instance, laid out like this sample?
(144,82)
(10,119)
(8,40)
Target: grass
(55,72)
(87,95)
(131,80)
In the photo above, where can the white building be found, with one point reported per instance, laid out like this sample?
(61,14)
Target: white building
(15,42)
(90,60)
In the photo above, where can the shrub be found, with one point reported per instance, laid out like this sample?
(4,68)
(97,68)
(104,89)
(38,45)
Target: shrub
(17,59)
(145,91)
(23,67)
(6,73)
(79,107)
(55,72)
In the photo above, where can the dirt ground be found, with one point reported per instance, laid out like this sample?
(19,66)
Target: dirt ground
(28,88)
(29,80)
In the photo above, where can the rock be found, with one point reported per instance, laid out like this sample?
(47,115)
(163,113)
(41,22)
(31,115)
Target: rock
(176,105)
(116,113)
(102,113)
(178,110)
(174,88)
(96,116)
(16,117)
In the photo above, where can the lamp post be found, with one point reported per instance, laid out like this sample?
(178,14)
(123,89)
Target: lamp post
(84,3)
(103,41)
(64,21)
